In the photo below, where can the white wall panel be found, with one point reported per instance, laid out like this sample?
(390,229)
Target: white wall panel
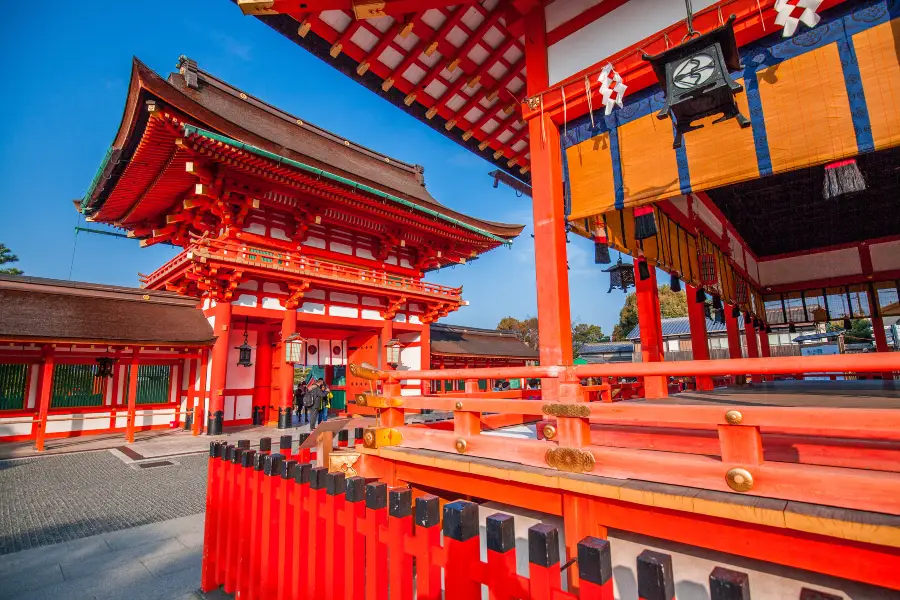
(885,256)
(822,265)
(615,31)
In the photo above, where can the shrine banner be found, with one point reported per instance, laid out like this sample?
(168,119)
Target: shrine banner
(825,94)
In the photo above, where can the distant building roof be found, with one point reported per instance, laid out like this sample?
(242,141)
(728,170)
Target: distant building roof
(681,326)
(51,310)
(458,340)
(606,348)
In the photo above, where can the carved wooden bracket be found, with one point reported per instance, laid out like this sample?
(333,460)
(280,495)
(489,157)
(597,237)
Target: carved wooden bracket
(295,294)
(393,306)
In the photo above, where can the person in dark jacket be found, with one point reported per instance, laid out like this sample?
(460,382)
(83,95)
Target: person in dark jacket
(299,392)
(313,401)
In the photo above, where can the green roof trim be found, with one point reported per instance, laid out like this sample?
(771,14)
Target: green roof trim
(96,180)
(191,129)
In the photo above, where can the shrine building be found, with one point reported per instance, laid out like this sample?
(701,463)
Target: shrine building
(302,247)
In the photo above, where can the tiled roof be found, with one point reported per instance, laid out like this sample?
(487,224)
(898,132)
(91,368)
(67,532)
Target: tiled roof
(456,340)
(606,347)
(49,310)
(681,326)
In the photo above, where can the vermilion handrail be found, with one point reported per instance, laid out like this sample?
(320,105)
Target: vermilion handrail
(839,363)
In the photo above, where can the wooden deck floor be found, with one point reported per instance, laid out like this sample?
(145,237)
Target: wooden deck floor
(831,394)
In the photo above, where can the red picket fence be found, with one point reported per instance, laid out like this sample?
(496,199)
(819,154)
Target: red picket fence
(285,530)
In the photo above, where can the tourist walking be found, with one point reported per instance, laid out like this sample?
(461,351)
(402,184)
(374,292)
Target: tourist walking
(313,401)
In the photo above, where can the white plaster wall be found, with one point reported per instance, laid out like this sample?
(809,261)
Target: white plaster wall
(272,288)
(753,269)
(410,360)
(373,315)
(314,294)
(243,407)
(343,311)
(245,300)
(707,216)
(273,303)
(71,426)
(312,308)
(31,402)
(341,248)
(680,203)
(372,301)
(314,242)
(236,377)
(342,297)
(615,31)
(822,265)
(8,428)
(885,256)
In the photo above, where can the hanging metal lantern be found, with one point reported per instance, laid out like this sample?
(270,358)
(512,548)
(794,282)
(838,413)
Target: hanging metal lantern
(244,350)
(820,315)
(621,276)
(105,367)
(293,349)
(393,352)
(696,77)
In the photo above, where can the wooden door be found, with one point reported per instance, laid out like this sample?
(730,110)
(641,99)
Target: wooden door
(361,348)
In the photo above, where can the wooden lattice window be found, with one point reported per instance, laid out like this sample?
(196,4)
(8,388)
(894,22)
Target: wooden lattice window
(76,386)
(12,386)
(152,384)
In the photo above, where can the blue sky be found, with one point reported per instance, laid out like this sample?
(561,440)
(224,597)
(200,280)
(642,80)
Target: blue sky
(65,71)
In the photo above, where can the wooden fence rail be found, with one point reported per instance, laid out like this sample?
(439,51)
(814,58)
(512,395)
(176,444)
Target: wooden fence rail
(281,529)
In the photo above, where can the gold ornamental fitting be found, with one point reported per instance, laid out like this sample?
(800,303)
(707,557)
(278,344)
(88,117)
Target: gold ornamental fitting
(573,409)
(571,460)
(738,479)
(365,371)
(549,432)
(459,406)
(373,401)
(378,437)
(734,417)
(461,446)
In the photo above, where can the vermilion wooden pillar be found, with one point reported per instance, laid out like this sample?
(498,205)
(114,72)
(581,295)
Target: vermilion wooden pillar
(286,373)
(734,333)
(752,342)
(425,349)
(650,322)
(202,394)
(878,332)
(222,328)
(764,350)
(551,269)
(262,374)
(699,340)
(133,367)
(45,387)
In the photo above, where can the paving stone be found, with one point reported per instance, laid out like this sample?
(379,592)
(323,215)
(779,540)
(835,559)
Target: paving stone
(122,558)
(63,498)
(174,562)
(20,584)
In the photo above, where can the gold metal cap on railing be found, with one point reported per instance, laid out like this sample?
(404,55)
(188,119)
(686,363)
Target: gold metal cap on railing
(366,371)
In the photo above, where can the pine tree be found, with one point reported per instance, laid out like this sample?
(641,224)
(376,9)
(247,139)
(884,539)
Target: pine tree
(6,256)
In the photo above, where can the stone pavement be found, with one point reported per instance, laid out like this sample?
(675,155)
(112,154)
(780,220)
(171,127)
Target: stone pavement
(160,561)
(56,499)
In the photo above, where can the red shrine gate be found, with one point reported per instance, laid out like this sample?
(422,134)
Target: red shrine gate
(288,233)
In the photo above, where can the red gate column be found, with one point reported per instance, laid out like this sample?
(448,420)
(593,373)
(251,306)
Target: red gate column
(222,328)
(554,322)
(45,385)
(133,367)
(650,322)
(734,333)
(699,341)
(425,350)
(752,342)
(764,350)
(262,377)
(286,372)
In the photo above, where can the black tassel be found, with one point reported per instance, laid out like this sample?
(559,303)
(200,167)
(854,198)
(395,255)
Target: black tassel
(707,311)
(675,283)
(717,303)
(701,295)
(644,223)
(847,324)
(735,312)
(601,253)
(843,177)
(792,328)
(643,270)
(720,316)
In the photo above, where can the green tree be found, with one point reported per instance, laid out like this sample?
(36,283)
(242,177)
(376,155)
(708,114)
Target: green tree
(860,330)
(6,256)
(671,304)
(582,334)
(526,330)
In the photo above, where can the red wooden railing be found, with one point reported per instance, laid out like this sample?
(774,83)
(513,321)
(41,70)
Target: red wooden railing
(835,456)
(281,529)
(295,263)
